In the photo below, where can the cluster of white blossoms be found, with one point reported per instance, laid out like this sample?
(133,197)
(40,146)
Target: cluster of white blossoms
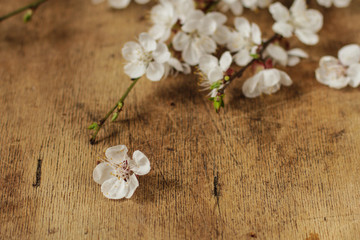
(342,71)
(117,173)
(187,36)
(303,22)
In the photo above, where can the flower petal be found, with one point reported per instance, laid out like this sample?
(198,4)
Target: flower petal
(278,54)
(218,17)
(135,69)
(342,3)
(297,52)
(102,172)
(142,1)
(155,71)
(282,28)
(130,51)
(180,41)
(206,26)
(161,54)
(207,62)
(354,74)
(325,3)
(118,4)
(147,42)
(255,34)
(279,12)
(215,75)
(221,35)
(206,44)
(349,54)
(158,32)
(140,164)
(311,20)
(306,36)
(292,61)
(192,21)
(298,7)
(285,78)
(115,188)
(133,184)
(242,57)
(225,61)
(242,25)
(116,154)
(191,54)
(249,87)
(236,8)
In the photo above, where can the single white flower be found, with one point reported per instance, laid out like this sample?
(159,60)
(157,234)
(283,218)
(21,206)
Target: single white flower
(147,57)
(120,4)
(214,70)
(196,37)
(245,40)
(285,57)
(338,73)
(303,22)
(117,174)
(266,81)
(337,3)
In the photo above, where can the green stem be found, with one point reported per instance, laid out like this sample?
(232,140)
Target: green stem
(32,6)
(119,105)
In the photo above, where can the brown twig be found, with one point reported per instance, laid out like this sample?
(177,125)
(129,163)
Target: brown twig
(239,73)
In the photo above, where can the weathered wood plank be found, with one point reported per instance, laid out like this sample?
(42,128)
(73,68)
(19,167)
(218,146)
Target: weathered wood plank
(278,167)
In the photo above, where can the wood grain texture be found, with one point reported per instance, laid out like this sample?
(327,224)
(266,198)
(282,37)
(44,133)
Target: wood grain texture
(284,166)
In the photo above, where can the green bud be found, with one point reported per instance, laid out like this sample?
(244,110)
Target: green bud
(93,126)
(115,116)
(215,85)
(120,105)
(217,105)
(255,56)
(28,15)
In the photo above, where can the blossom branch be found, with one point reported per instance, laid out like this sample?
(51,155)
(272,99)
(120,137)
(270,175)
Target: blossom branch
(118,107)
(32,6)
(239,73)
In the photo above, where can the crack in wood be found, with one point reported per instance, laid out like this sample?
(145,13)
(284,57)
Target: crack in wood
(38,174)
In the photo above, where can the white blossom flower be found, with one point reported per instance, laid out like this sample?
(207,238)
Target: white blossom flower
(245,40)
(337,3)
(196,37)
(338,73)
(214,70)
(147,57)
(285,57)
(266,81)
(305,23)
(120,4)
(117,174)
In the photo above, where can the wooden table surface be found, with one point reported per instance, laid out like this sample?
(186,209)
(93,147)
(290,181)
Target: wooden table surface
(285,166)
